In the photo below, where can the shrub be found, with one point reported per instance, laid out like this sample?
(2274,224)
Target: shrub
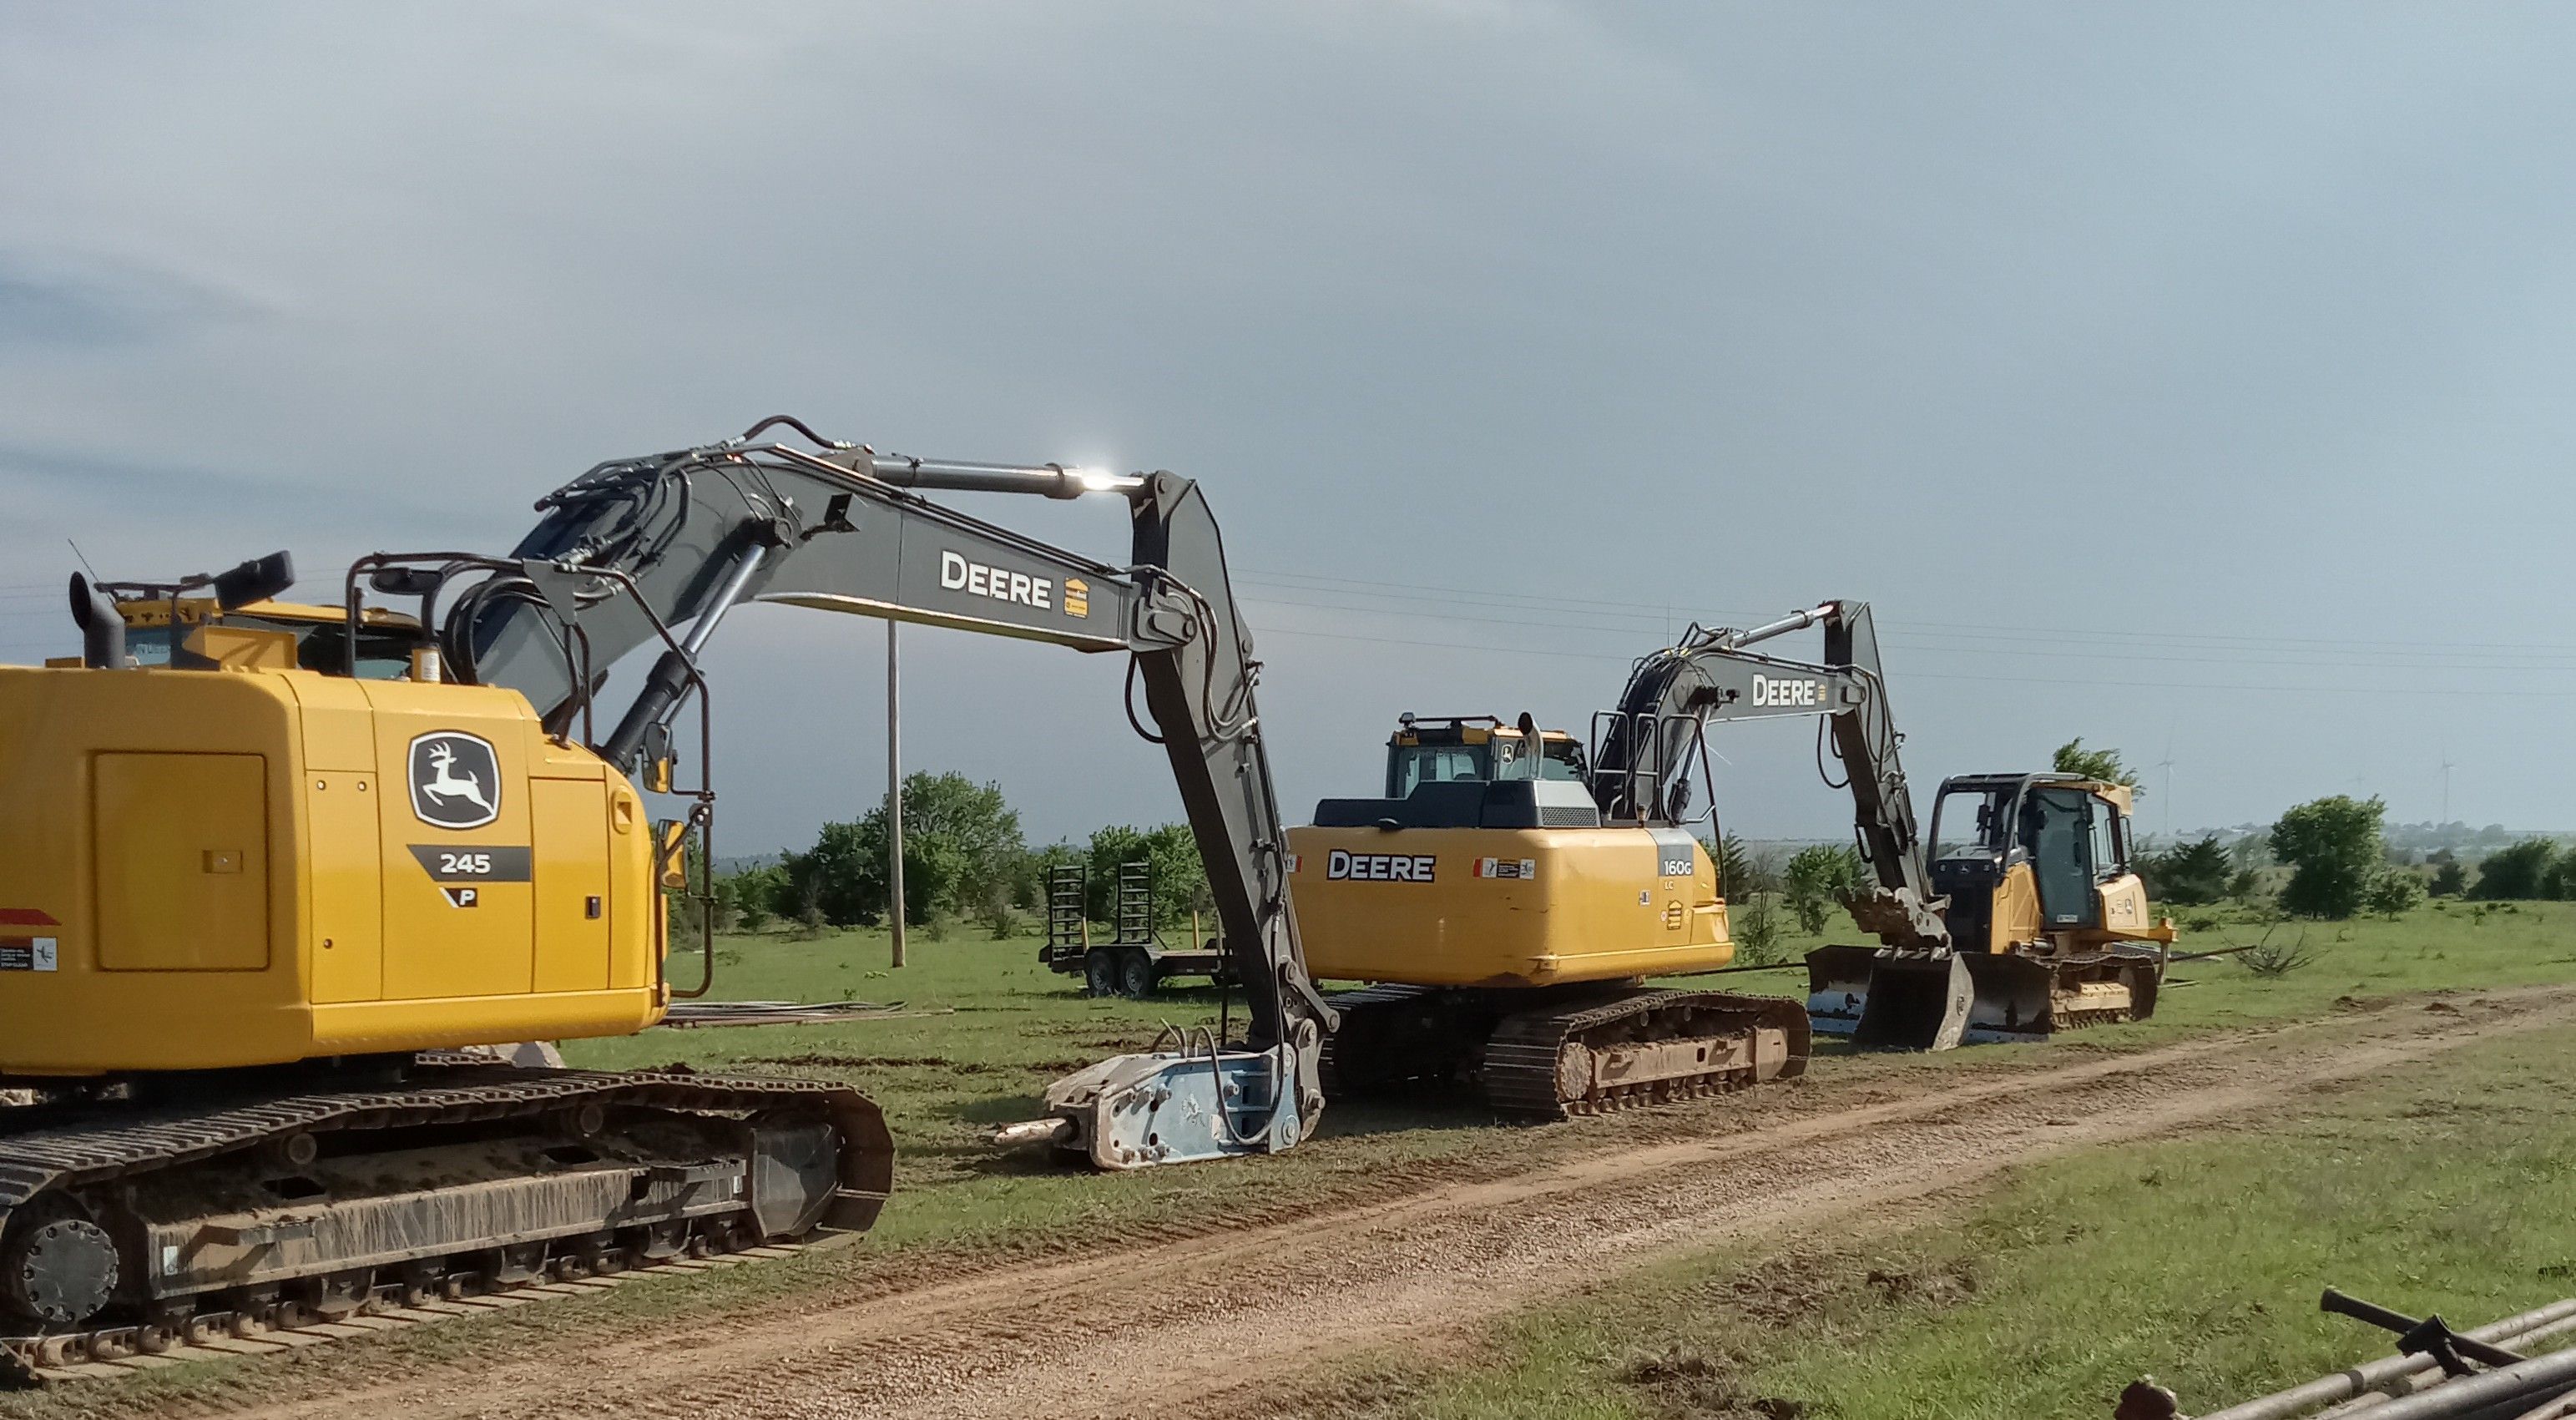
(2187,874)
(1180,879)
(2333,847)
(2272,960)
(1757,928)
(2393,892)
(1816,879)
(2519,873)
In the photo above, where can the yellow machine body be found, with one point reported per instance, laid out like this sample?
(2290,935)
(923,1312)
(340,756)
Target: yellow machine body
(211,869)
(2017,921)
(1505,907)
(2047,917)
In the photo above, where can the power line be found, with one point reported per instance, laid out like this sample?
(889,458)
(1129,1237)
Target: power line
(2306,658)
(1910,674)
(1628,608)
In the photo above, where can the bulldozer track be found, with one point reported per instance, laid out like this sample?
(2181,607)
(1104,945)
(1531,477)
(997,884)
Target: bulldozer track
(85,1145)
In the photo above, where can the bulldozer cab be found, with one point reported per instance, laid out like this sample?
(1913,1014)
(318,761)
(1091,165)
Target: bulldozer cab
(1476,749)
(2022,856)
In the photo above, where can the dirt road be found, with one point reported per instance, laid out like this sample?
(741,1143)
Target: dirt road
(1174,1327)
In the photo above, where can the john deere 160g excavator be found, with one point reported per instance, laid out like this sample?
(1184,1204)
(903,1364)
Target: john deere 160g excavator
(257,895)
(1510,893)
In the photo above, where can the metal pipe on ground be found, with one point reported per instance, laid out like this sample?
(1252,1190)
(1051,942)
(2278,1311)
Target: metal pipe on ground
(2371,1375)
(2495,1394)
(2425,1377)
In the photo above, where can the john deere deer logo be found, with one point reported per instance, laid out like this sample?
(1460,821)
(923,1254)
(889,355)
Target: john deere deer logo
(455,780)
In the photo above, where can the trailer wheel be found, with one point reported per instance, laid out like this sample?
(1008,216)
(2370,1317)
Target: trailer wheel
(1100,972)
(1137,973)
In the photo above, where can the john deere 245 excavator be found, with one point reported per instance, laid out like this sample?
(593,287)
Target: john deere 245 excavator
(261,885)
(1509,894)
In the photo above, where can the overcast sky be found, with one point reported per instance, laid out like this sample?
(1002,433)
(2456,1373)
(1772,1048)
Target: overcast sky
(2200,380)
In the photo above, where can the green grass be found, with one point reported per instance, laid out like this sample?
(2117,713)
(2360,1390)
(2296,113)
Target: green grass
(994,1028)
(2198,1261)
(991,1028)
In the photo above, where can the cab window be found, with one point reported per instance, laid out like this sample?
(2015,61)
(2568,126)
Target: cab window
(1969,823)
(2110,853)
(1415,765)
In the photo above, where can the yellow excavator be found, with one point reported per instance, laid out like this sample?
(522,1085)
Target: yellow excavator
(1509,894)
(273,874)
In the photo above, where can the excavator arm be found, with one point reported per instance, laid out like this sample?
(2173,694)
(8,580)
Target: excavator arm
(635,548)
(1640,768)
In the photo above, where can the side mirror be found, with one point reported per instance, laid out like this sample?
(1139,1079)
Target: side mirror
(658,758)
(671,837)
(255,580)
(403,581)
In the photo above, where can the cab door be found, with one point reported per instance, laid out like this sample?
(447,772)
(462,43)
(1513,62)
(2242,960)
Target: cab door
(2058,830)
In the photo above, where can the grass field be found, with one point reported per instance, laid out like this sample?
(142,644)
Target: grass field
(994,1027)
(2079,1272)
(2197,1260)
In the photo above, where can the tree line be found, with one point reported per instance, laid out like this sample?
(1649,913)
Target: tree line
(965,859)
(2340,861)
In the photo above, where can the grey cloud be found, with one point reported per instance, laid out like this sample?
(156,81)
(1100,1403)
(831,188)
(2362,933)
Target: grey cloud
(86,304)
(2053,323)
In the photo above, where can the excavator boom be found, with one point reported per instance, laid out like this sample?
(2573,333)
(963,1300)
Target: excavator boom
(635,547)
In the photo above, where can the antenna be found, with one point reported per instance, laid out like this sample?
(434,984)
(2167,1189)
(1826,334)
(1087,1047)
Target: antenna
(84,560)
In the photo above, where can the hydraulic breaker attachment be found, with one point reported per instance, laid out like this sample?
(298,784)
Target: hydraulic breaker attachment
(1886,999)
(1198,1102)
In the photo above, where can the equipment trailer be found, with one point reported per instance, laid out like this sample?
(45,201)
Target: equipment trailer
(1135,961)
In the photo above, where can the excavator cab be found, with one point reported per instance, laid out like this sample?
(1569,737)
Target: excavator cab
(294,635)
(1477,749)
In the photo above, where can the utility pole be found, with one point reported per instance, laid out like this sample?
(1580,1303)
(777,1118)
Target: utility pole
(894,787)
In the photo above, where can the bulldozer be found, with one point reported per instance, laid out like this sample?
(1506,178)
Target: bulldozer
(2047,922)
(1508,895)
(278,879)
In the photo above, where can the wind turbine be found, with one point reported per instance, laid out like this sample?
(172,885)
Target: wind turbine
(2167,765)
(2446,783)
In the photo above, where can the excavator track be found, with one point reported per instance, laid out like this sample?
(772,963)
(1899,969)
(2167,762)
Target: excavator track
(1592,1051)
(264,1218)
(1641,1048)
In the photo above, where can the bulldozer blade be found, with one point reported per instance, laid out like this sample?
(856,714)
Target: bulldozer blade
(1837,983)
(2016,998)
(1887,1000)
